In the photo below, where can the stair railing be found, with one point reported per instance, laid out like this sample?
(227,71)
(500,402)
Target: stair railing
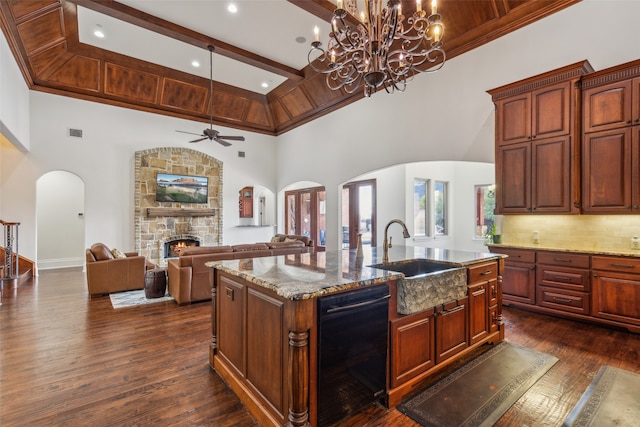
(10,260)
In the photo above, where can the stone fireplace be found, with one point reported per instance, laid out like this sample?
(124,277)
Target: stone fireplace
(159,223)
(175,244)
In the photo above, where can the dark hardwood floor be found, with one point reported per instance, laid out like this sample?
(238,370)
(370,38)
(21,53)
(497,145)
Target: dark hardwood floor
(68,360)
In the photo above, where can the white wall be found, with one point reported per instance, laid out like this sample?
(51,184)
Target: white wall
(448,115)
(104,160)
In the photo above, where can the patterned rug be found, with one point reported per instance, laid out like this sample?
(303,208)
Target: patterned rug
(610,400)
(480,392)
(133,298)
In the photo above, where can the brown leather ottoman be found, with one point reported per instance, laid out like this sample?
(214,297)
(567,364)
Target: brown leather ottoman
(155,283)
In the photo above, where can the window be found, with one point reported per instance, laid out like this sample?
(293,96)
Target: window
(441,208)
(485,206)
(421,207)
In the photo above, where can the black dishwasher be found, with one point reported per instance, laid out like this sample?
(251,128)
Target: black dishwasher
(352,351)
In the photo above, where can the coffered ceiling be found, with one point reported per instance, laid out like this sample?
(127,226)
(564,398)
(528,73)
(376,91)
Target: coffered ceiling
(144,60)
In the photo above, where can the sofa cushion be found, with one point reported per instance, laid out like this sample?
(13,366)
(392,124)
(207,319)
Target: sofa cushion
(250,247)
(199,250)
(101,252)
(286,244)
(303,239)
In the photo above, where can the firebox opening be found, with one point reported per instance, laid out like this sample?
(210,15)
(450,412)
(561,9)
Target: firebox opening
(172,249)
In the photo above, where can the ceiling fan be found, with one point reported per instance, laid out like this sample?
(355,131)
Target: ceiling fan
(211,134)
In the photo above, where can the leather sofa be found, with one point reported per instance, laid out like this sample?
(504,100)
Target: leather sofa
(107,273)
(190,280)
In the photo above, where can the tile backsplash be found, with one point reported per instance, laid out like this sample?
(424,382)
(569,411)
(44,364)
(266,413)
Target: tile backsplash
(578,232)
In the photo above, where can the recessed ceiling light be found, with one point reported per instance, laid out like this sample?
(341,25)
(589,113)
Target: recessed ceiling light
(98,32)
(265,84)
(195,63)
(232,8)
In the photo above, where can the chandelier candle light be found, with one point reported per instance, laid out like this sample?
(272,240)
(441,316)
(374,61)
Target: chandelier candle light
(379,46)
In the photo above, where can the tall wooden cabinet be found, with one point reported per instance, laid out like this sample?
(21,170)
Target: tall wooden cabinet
(611,141)
(537,129)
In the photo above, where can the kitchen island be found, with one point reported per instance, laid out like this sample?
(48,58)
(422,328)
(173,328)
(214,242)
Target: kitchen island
(265,324)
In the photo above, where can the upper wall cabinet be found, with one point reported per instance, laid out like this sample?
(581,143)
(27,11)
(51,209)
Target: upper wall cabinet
(611,140)
(537,126)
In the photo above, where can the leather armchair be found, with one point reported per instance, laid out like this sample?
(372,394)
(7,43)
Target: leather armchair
(107,274)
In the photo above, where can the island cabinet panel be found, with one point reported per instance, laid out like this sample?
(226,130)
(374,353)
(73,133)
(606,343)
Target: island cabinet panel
(616,289)
(265,347)
(452,329)
(412,346)
(478,313)
(231,324)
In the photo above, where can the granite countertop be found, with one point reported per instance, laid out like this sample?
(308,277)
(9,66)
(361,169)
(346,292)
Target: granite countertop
(584,250)
(303,276)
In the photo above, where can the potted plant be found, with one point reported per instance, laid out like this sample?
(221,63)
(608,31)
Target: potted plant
(491,235)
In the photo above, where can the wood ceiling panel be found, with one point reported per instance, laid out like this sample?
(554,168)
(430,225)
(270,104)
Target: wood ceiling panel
(296,102)
(229,107)
(258,114)
(280,115)
(514,4)
(42,62)
(130,84)
(462,16)
(316,87)
(42,31)
(184,96)
(23,8)
(79,73)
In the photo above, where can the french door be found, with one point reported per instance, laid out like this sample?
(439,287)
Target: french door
(305,214)
(358,213)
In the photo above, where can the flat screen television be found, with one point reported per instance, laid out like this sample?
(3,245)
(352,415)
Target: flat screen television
(181,188)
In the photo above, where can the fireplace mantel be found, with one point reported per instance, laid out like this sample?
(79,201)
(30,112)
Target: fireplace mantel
(152,212)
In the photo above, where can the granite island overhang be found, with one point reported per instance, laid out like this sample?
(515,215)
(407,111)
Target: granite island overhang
(264,314)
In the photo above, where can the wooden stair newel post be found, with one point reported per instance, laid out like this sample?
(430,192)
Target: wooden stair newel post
(213,347)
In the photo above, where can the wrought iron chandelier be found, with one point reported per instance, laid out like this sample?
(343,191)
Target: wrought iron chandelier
(378,46)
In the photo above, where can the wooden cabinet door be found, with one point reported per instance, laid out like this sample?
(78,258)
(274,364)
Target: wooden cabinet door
(607,107)
(513,119)
(607,172)
(635,101)
(478,312)
(513,178)
(412,347)
(519,282)
(452,330)
(230,323)
(616,296)
(551,180)
(551,111)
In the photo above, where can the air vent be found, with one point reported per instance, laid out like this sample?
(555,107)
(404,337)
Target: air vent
(240,153)
(75,133)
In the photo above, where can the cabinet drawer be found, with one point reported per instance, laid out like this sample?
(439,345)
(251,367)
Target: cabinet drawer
(563,259)
(566,278)
(563,299)
(621,264)
(482,272)
(519,255)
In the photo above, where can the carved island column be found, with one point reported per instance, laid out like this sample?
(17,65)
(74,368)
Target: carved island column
(299,323)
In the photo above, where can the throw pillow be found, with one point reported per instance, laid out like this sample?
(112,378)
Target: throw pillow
(275,239)
(290,240)
(117,253)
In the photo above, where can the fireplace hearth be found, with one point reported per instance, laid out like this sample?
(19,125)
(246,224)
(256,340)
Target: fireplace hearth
(172,248)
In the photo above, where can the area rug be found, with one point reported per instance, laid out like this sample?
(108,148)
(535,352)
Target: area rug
(481,391)
(133,298)
(610,400)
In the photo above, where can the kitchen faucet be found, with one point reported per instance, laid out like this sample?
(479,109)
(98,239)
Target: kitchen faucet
(387,241)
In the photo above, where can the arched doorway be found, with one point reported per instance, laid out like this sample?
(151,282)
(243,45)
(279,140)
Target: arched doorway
(60,227)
